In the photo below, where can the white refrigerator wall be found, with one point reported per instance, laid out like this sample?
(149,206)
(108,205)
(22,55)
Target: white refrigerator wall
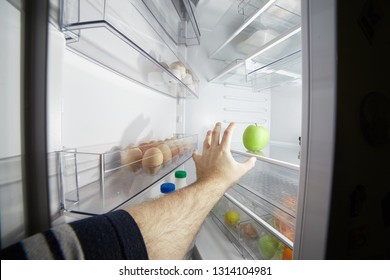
(101,107)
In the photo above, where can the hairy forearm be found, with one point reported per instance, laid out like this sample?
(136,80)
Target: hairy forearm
(169,224)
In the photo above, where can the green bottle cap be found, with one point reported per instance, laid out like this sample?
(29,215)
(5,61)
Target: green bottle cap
(180,174)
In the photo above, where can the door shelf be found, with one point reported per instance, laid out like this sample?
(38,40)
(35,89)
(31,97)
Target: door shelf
(97,180)
(245,232)
(135,47)
(248,25)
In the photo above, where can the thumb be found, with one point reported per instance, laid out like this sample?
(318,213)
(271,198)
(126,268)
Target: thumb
(249,164)
(195,155)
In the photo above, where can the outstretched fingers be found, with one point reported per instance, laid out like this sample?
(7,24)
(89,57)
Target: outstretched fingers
(227,136)
(216,134)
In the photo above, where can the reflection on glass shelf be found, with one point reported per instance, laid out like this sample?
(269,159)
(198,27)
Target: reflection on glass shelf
(278,152)
(99,179)
(130,46)
(249,25)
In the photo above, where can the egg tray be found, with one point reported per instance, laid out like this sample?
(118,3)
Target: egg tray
(95,182)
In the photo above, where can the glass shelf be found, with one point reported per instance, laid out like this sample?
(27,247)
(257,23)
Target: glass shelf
(274,152)
(134,47)
(99,179)
(276,63)
(248,25)
(177,19)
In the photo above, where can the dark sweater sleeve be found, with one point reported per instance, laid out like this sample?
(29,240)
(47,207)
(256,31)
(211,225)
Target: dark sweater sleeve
(111,236)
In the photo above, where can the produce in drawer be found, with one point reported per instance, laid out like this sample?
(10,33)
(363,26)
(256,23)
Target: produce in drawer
(287,254)
(248,231)
(232,218)
(166,151)
(288,230)
(132,157)
(285,229)
(270,247)
(152,160)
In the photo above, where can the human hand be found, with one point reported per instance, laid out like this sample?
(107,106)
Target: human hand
(217,164)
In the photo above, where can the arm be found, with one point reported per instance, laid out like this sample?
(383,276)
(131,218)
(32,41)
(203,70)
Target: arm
(168,235)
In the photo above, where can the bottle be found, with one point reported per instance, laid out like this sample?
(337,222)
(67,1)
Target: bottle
(180,179)
(167,188)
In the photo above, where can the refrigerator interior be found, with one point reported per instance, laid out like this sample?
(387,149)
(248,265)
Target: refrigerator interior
(111,89)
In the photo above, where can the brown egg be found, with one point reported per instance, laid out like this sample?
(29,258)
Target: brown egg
(131,157)
(166,151)
(147,145)
(179,144)
(174,148)
(152,160)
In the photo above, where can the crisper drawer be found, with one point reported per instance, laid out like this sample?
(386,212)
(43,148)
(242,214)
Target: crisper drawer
(258,214)
(251,234)
(97,180)
(271,181)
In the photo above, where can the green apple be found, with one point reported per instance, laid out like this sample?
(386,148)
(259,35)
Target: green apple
(255,137)
(268,246)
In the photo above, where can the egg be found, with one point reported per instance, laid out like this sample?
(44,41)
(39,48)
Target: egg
(152,160)
(179,67)
(180,146)
(187,78)
(147,145)
(131,157)
(174,148)
(166,151)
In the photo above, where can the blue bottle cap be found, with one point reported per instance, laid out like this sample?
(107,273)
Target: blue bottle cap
(167,187)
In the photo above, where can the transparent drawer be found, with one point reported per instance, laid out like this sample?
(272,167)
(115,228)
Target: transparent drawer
(99,179)
(274,182)
(251,238)
(250,24)
(133,46)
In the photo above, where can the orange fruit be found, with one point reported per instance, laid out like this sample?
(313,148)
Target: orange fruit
(287,254)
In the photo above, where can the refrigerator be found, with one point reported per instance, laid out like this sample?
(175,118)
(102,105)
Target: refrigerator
(87,84)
